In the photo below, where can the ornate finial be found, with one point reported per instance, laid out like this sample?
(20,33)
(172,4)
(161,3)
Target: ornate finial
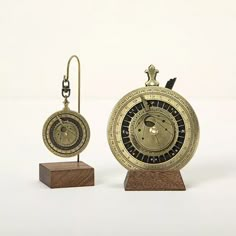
(66,104)
(152,73)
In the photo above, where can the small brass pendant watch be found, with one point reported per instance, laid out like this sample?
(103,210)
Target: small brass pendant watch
(153,128)
(66,133)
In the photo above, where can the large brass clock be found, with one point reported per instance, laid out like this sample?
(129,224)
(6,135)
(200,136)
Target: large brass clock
(153,128)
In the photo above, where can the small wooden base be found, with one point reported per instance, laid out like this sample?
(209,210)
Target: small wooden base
(66,174)
(142,180)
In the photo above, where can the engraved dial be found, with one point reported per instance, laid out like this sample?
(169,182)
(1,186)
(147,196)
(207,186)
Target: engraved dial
(66,133)
(153,128)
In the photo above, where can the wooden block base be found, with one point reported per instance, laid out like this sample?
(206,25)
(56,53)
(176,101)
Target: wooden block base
(66,174)
(141,180)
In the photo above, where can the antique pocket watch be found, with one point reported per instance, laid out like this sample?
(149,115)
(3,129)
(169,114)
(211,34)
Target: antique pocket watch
(66,133)
(153,128)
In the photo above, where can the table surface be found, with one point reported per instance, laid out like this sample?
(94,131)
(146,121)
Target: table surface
(28,207)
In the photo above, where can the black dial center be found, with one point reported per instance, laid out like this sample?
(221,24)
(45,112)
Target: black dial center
(158,139)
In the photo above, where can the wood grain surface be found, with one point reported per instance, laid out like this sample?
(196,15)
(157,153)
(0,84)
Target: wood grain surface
(66,174)
(141,180)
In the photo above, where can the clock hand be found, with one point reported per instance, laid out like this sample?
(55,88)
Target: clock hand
(147,109)
(60,120)
(145,104)
(157,122)
(157,139)
(63,125)
(71,131)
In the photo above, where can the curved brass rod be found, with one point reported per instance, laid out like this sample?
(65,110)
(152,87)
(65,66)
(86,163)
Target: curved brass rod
(67,76)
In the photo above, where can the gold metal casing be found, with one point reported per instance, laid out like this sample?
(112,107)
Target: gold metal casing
(153,128)
(66,133)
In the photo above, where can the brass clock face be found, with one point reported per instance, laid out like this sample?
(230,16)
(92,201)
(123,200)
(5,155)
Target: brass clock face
(66,133)
(153,128)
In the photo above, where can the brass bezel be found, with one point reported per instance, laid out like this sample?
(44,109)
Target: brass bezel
(155,93)
(85,128)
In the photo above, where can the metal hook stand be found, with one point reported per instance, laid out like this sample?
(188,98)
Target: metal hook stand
(74,173)
(66,77)
(66,84)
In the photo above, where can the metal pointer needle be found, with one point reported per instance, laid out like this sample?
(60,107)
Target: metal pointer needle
(60,120)
(145,104)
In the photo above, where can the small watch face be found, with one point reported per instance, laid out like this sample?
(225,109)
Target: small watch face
(66,133)
(153,128)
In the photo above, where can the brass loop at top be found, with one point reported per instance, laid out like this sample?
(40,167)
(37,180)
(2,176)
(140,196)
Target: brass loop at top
(66,77)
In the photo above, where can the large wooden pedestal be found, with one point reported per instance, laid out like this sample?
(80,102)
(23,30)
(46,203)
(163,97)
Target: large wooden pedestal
(66,174)
(141,180)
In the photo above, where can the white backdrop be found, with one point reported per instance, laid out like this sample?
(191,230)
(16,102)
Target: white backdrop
(115,41)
